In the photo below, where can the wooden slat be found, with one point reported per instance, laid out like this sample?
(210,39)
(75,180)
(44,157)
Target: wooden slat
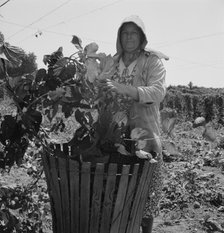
(65,150)
(129,199)
(85,198)
(56,193)
(50,191)
(143,198)
(58,151)
(108,199)
(121,194)
(140,186)
(64,187)
(74,195)
(96,198)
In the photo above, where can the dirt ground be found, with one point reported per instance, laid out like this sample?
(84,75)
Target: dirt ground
(202,167)
(192,219)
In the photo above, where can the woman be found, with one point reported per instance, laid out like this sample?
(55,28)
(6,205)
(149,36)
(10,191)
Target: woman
(140,79)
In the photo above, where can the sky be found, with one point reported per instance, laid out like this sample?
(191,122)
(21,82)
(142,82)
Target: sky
(190,32)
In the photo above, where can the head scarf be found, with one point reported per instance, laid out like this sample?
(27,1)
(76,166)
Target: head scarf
(137,20)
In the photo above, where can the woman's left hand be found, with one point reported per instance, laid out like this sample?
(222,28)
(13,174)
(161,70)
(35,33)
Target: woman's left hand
(116,87)
(110,85)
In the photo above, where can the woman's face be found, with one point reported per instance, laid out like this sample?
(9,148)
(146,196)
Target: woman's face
(130,37)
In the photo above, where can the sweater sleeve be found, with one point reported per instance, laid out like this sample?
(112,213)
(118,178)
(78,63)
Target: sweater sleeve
(155,88)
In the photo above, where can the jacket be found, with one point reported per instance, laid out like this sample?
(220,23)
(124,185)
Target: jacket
(149,80)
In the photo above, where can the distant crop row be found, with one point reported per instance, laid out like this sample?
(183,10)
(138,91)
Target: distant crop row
(190,106)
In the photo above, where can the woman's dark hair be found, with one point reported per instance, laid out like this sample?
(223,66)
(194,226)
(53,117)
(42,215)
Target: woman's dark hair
(142,35)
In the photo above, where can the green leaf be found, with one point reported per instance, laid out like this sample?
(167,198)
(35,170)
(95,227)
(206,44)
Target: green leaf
(171,148)
(141,144)
(209,133)
(77,42)
(199,121)
(91,48)
(143,154)
(55,110)
(138,133)
(59,65)
(13,53)
(92,69)
(121,149)
(120,118)
(80,117)
(107,66)
(57,94)
(46,59)
(168,125)
(2,38)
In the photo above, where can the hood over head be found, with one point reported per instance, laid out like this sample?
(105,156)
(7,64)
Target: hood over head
(136,20)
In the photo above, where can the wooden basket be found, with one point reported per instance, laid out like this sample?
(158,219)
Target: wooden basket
(106,198)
